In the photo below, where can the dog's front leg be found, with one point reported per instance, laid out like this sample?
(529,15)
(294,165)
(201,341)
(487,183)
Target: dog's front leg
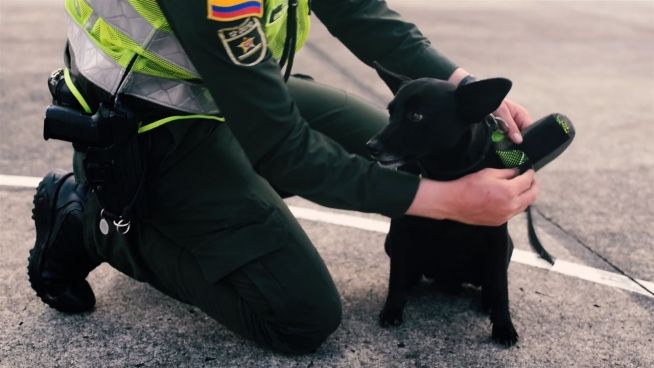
(397,242)
(495,291)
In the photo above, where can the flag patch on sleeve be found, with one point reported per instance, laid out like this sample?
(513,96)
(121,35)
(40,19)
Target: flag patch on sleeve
(228,10)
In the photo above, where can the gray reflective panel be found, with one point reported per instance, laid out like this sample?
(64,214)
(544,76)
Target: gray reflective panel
(105,73)
(176,94)
(166,45)
(92,63)
(121,14)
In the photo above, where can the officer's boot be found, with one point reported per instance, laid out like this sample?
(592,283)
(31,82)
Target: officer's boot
(58,264)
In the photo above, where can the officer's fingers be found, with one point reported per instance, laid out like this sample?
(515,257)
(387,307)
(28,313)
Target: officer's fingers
(522,183)
(518,121)
(514,131)
(528,197)
(501,173)
(504,112)
(520,115)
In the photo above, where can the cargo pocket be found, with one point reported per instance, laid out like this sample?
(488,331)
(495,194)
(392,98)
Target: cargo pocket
(241,242)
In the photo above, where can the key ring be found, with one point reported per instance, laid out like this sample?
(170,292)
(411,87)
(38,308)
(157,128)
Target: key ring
(501,124)
(122,226)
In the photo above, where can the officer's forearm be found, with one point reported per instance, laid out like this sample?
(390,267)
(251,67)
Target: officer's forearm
(375,33)
(315,167)
(488,197)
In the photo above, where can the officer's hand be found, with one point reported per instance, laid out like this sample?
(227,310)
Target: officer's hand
(489,197)
(516,117)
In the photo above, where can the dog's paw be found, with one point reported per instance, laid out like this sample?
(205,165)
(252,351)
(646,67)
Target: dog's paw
(390,317)
(505,334)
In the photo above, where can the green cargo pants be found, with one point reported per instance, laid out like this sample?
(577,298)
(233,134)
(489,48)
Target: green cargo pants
(219,237)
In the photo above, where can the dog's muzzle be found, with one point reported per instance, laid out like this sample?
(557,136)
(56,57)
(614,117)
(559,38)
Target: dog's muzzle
(378,153)
(375,148)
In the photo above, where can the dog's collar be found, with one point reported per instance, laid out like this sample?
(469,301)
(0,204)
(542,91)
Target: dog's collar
(491,126)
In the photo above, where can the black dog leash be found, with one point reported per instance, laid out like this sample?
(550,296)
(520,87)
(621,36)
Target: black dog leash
(535,243)
(510,159)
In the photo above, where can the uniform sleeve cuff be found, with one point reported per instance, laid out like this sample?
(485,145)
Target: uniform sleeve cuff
(392,192)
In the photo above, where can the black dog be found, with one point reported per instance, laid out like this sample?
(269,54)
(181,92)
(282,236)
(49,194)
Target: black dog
(443,132)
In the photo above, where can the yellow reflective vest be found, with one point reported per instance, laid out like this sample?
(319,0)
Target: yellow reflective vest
(105,36)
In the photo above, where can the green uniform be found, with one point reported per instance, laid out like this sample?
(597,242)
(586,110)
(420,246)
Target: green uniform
(218,234)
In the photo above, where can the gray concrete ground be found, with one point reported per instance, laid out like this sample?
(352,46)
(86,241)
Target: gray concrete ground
(593,61)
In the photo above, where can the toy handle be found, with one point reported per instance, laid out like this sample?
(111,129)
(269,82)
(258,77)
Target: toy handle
(543,141)
(546,139)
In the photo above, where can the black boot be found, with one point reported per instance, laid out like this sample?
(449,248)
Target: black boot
(58,264)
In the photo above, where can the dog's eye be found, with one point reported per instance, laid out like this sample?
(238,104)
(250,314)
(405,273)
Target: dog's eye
(415,117)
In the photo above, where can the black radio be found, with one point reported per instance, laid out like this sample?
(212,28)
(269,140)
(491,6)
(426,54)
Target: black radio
(113,154)
(106,127)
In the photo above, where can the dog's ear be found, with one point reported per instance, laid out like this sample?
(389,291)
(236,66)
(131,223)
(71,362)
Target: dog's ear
(393,80)
(478,99)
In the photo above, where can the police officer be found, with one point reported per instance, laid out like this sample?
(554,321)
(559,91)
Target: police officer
(226,135)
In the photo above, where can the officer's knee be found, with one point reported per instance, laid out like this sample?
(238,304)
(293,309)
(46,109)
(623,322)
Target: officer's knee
(327,320)
(311,329)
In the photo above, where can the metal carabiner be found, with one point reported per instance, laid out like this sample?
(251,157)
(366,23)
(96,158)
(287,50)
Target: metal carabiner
(122,226)
(501,124)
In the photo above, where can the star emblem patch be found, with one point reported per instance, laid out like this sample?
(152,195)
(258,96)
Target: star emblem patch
(245,44)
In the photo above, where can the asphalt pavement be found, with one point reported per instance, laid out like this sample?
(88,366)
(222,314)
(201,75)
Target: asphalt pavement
(591,60)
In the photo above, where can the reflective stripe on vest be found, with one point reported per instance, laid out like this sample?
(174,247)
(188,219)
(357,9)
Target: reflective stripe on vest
(143,127)
(105,35)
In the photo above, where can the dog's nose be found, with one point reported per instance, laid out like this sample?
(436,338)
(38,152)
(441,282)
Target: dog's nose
(374,147)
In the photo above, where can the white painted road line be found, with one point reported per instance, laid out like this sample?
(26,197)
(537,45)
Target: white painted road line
(19,181)
(340,219)
(519,256)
